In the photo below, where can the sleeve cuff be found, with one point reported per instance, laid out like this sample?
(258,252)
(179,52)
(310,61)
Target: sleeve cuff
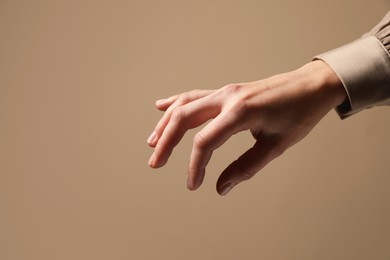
(363,67)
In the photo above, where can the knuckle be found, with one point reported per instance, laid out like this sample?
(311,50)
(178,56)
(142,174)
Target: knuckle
(200,141)
(238,100)
(178,114)
(232,88)
(184,98)
(238,107)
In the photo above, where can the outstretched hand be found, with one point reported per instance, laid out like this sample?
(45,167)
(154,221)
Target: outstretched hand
(278,111)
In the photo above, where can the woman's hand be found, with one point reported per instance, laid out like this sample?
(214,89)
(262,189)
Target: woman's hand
(279,112)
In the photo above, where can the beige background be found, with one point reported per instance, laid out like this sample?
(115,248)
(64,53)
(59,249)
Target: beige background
(78,81)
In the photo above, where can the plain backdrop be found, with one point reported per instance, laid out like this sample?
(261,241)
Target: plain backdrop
(78,82)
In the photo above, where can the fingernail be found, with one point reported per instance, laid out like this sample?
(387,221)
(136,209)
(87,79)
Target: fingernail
(151,160)
(160,101)
(189,184)
(199,179)
(152,137)
(226,188)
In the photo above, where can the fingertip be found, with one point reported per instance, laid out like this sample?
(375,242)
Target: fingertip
(152,145)
(191,188)
(227,180)
(225,188)
(152,160)
(159,159)
(190,185)
(152,138)
(155,165)
(160,103)
(155,162)
(195,181)
(163,104)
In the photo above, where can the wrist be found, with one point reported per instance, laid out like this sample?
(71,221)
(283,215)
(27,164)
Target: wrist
(321,78)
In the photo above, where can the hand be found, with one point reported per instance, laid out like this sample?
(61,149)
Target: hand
(278,111)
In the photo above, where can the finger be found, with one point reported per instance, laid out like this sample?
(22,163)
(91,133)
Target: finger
(172,103)
(248,164)
(183,118)
(163,104)
(206,141)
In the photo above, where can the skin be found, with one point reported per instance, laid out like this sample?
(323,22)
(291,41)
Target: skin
(279,111)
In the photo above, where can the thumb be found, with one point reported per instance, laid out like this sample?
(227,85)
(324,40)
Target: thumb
(248,164)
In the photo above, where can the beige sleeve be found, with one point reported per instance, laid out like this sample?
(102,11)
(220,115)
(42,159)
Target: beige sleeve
(363,67)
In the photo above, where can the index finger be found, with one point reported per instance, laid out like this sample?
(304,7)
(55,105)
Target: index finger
(212,136)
